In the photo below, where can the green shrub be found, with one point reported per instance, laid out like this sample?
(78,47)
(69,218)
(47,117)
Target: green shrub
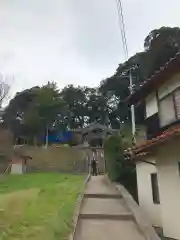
(114,157)
(119,169)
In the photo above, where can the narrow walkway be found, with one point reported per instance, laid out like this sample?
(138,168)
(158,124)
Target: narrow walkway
(104,215)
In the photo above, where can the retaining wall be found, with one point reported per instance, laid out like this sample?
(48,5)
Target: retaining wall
(55,158)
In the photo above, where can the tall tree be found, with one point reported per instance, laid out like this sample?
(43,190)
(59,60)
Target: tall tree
(75,101)
(14,113)
(159,46)
(46,106)
(34,111)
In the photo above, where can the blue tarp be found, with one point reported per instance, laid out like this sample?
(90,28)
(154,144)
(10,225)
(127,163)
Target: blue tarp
(63,137)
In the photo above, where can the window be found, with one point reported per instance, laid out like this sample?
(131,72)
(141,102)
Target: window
(169,108)
(177,102)
(179,168)
(166,110)
(155,189)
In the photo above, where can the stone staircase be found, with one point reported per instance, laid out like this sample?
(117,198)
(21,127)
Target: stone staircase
(105,215)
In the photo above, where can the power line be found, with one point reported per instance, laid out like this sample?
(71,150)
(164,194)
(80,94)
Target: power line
(125,49)
(122,28)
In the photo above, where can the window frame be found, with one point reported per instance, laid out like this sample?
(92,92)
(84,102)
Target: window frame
(174,101)
(179,169)
(155,189)
(174,104)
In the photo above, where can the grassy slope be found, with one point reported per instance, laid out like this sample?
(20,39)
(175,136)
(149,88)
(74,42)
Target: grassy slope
(37,206)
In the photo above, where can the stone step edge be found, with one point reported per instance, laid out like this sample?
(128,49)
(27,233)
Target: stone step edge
(102,196)
(98,216)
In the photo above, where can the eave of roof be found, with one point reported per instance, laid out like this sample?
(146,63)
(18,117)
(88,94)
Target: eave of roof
(157,79)
(95,126)
(164,137)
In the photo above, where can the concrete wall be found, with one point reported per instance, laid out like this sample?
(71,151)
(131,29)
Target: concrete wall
(169,86)
(151,105)
(16,168)
(169,180)
(151,210)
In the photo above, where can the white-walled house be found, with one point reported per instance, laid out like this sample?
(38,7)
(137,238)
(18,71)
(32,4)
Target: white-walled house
(158,171)
(148,203)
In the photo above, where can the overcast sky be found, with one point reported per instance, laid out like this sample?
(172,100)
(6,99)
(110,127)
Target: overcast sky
(73,41)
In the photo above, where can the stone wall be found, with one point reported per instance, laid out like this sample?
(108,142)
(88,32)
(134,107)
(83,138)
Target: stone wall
(55,158)
(6,141)
(6,148)
(4,163)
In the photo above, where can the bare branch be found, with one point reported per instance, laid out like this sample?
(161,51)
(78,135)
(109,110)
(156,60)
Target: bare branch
(4,88)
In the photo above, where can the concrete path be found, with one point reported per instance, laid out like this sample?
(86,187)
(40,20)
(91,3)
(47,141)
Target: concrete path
(104,215)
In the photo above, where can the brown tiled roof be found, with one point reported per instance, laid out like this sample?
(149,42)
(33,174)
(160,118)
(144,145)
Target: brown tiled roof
(157,79)
(166,135)
(129,154)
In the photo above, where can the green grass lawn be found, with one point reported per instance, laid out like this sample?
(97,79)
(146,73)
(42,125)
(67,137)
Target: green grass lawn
(37,206)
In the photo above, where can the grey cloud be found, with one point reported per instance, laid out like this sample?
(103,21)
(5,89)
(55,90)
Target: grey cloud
(73,41)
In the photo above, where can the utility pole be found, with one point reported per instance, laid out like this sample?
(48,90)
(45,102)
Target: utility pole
(132,110)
